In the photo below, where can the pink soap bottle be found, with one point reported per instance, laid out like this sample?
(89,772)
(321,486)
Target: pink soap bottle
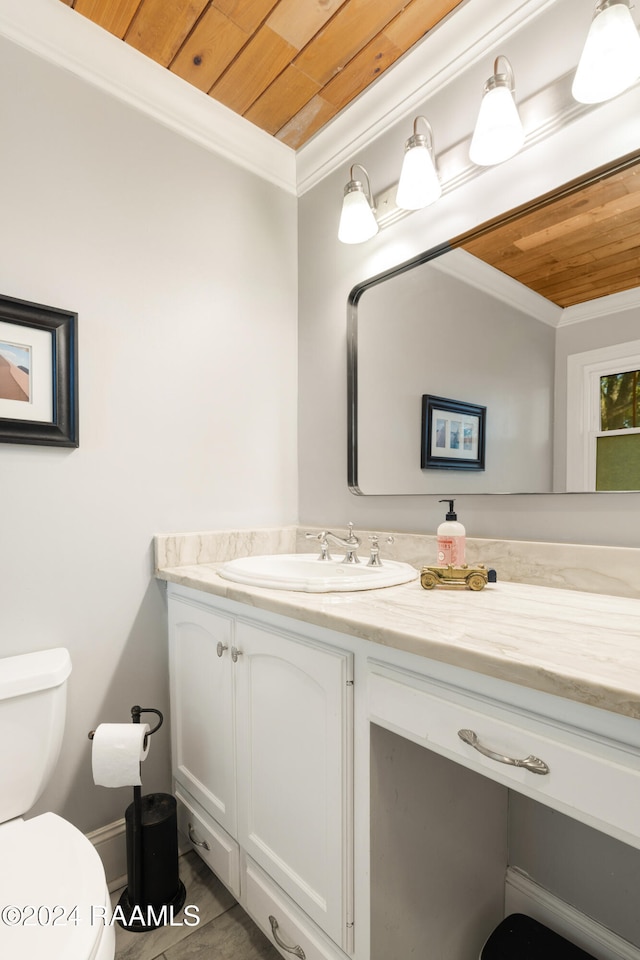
(451,539)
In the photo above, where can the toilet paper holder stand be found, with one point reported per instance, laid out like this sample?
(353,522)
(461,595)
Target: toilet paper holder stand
(134,894)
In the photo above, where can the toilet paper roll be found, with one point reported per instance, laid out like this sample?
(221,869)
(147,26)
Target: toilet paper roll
(118,749)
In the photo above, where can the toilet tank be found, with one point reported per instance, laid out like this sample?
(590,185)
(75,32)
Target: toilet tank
(33,698)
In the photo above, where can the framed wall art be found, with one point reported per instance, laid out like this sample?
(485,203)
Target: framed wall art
(453,434)
(38,374)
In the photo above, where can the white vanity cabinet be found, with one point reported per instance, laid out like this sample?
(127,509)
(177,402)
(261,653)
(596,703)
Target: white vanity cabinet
(261,741)
(327,778)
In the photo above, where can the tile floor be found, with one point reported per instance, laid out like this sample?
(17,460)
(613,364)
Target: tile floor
(224,932)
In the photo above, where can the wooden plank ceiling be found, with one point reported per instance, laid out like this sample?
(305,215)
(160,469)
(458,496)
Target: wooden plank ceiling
(288,66)
(573,248)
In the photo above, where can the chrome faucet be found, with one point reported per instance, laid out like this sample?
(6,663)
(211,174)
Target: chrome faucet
(350,544)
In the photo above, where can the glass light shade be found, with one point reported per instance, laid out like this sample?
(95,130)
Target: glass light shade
(499,133)
(610,60)
(419,185)
(357,221)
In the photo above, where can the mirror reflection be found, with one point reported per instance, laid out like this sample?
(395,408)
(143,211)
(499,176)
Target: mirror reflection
(533,318)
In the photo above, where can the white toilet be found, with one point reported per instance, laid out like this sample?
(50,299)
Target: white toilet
(54,902)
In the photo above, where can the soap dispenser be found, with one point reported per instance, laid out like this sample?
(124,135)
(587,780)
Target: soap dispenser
(451,539)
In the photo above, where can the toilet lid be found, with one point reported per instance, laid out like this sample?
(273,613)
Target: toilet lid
(52,891)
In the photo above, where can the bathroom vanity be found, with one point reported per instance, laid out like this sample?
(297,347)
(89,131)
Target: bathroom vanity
(291,714)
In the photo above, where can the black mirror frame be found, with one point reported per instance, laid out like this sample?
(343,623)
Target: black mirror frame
(600,173)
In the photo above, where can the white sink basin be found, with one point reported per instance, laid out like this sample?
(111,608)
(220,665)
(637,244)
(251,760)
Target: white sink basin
(304,571)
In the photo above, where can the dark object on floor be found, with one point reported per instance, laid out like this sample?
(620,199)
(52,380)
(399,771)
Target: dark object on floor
(155,894)
(519,937)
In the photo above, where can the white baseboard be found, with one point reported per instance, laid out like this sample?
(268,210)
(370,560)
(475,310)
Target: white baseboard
(522,895)
(110,842)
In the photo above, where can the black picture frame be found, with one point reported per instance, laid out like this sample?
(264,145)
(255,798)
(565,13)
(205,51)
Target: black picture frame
(453,434)
(50,335)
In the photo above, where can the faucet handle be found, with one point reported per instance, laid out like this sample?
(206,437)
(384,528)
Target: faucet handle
(374,559)
(324,545)
(375,539)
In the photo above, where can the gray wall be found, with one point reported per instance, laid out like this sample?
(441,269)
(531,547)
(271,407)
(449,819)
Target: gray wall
(428,331)
(187,389)
(438,853)
(587,869)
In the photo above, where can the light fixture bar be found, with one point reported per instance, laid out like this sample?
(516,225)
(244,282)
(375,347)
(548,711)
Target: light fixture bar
(544,113)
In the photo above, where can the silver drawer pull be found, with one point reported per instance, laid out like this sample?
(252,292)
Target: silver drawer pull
(235,653)
(297,951)
(533,764)
(221,647)
(195,842)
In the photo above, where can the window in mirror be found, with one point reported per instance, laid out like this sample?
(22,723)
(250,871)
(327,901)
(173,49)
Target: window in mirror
(618,444)
(603,439)
(620,400)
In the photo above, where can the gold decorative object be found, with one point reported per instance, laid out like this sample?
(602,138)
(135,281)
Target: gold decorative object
(474,578)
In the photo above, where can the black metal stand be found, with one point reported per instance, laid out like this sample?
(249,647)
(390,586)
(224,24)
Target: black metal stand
(155,893)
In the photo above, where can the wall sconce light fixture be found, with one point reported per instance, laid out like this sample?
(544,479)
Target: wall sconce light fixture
(357,220)
(419,184)
(498,134)
(610,60)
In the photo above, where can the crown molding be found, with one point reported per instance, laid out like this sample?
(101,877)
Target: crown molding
(54,32)
(601,307)
(472,29)
(464,266)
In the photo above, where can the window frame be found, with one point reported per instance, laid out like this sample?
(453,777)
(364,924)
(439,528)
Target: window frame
(583,407)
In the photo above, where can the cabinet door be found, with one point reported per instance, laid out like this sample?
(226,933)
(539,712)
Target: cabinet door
(293,716)
(202,707)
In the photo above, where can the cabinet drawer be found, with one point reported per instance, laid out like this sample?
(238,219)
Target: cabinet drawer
(589,778)
(295,934)
(218,850)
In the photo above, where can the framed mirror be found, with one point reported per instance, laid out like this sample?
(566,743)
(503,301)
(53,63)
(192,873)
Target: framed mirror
(534,318)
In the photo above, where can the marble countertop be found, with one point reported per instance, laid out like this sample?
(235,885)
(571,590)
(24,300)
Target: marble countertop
(581,646)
